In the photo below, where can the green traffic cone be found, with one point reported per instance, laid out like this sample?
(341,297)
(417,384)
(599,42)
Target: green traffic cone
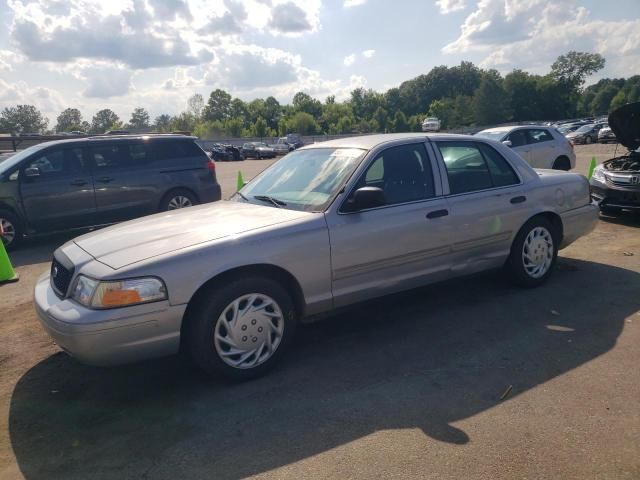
(240,182)
(592,167)
(7,274)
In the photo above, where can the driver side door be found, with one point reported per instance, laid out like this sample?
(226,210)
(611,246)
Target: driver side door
(396,246)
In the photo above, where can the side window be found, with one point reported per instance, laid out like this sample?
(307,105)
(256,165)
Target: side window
(168,150)
(139,153)
(501,172)
(56,163)
(108,156)
(537,136)
(466,169)
(518,138)
(403,172)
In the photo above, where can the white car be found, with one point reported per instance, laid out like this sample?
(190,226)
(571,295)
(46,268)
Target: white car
(541,147)
(431,124)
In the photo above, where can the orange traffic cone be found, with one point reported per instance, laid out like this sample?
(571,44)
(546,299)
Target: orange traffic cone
(7,275)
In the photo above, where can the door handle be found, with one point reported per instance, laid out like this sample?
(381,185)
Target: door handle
(520,199)
(105,179)
(79,182)
(438,213)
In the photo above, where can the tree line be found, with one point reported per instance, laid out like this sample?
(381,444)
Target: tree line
(460,96)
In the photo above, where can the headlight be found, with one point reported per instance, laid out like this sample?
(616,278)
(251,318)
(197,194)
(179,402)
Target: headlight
(118,293)
(598,174)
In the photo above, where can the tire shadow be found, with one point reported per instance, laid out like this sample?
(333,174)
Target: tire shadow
(422,359)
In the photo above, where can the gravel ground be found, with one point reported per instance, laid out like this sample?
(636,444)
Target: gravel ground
(468,379)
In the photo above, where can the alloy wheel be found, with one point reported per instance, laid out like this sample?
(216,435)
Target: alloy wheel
(179,201)
(249,331)
(9,231)
(537,252)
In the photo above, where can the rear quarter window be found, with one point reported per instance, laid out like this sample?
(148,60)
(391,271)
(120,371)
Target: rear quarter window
(180,149)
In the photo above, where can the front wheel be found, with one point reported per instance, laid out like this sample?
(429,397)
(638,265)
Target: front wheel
(11,228)
(587,140)
(241,330)
(533,253)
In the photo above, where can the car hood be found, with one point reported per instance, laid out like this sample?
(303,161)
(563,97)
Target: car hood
(146,237)
(625,124)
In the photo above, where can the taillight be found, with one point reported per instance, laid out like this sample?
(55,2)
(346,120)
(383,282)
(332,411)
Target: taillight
(211,165)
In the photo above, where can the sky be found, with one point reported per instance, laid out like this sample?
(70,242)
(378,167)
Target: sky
(121,54)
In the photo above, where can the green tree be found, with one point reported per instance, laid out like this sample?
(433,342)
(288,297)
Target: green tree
(303,123)
(238,109)
(400,123)
(218,107)
(104,120)
(260,127)
(574,67)
(139,118)
(489,102)
(521,91)
(234,126)
(195,104)
(22,119)
(162,123)
(272,112)
(70,119)
(602,100)
(303,102)
(184,122)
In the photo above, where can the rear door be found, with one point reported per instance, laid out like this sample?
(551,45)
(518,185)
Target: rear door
(542,148)
(520,143)
(61,195)
(125,186)
(486,202)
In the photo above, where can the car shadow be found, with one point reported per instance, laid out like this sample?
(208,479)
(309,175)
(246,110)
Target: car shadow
(40,249)
(422,359)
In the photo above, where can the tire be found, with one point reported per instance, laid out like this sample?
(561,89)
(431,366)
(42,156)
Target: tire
(562,163)
(538,239)
(13,229)
(176,199)
(587,140)
(208,336)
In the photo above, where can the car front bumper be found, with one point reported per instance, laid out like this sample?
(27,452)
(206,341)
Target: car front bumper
(577,223)
(108,337)
(611,196)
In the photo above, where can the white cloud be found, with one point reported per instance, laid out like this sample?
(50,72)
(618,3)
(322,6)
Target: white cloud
(48,101)
(105,82)
(353,3)
(289,18)
(349,59)
(368,53)
(449,6)
(532,33)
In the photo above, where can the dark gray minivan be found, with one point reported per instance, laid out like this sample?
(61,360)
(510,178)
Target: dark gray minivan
(66,184)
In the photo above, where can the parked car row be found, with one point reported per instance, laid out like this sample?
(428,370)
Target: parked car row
(258,150)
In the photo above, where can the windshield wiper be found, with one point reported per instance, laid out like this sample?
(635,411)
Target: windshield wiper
(274,201)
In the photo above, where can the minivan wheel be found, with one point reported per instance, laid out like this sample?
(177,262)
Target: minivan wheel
(12,230)
(533,253)
(178,199)
(240,330)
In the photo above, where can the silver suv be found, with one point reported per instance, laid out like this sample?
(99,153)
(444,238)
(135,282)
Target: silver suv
(541,147)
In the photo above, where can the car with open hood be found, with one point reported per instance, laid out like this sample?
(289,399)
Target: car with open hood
(615,184)
(328,225)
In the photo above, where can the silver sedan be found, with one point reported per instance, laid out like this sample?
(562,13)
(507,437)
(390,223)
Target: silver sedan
(328,225)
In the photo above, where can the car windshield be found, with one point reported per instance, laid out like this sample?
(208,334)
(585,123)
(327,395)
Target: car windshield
(491,135)
(303,180)
(585,128)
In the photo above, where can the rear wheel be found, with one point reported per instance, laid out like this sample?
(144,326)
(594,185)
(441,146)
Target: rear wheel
(12,229)
(240,330)
(562,163)
(587,140)
(533,253)
(178,199)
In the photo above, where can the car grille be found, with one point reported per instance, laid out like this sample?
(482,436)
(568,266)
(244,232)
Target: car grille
(623,180)
(60,277)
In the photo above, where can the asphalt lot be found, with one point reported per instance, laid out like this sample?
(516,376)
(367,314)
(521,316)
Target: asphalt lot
(408,386)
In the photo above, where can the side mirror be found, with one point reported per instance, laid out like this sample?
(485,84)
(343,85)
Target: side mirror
(32,172)
(367,197)
(507,143)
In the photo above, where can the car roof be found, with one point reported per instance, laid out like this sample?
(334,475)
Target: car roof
(367,142)
(111,138)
